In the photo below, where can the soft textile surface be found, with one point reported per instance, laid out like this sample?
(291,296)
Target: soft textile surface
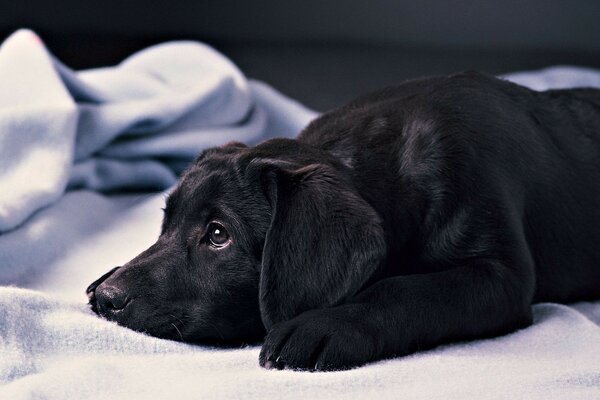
(132,127)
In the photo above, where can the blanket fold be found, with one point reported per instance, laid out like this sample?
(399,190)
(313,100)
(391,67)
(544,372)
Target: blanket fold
(74,145)
(129,127)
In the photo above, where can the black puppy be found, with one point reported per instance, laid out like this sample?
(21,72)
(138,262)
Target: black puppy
(435,211)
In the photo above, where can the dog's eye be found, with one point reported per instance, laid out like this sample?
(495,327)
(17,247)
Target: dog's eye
(217,235)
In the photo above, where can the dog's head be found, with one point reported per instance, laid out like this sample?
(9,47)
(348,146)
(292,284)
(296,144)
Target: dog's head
(250,237)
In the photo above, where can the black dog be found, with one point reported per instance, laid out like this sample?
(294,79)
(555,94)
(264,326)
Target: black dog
(435,211)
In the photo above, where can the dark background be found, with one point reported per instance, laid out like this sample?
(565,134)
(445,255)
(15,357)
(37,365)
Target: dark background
(326,52)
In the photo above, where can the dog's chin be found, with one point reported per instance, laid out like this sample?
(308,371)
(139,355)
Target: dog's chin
(214,341)
(177,327)
(159,329)
(187,334)
(169,330)
(181,333)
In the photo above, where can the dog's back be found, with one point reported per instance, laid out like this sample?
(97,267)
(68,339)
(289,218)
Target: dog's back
(473,144)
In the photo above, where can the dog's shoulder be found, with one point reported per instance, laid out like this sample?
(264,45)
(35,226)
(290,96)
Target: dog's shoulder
(421,121)
(458,96)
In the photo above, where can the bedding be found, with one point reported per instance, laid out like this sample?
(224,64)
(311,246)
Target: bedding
(85,160)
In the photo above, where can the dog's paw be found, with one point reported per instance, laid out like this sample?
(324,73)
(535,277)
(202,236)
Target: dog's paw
(320,340)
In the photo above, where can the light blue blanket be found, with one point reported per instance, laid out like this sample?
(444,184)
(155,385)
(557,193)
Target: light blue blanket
(133,127)
(129,127)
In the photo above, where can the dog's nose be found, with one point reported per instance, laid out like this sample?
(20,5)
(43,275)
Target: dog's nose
(110,299)
(92,288)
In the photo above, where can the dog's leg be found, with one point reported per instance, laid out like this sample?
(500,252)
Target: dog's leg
(403,314)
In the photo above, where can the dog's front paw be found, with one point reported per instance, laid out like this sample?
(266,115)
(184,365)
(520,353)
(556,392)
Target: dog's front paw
(320,340)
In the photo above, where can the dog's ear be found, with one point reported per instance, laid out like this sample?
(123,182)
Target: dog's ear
(324,242)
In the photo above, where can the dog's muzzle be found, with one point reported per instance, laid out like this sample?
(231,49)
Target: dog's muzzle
(105,300)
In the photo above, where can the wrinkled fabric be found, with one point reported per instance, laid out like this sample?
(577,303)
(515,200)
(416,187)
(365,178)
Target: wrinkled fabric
(53,347)
(132,127)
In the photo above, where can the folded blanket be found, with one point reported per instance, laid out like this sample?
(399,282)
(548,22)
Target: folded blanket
(66,138)
(130,127)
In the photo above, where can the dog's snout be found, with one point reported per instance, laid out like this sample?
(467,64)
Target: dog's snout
(92,288)
(110,299)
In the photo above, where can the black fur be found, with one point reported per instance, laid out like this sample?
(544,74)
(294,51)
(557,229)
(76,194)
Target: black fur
(435,211)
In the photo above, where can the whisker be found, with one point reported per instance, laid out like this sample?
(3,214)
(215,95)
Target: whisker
(216,328)
(178,319)
(178,331)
